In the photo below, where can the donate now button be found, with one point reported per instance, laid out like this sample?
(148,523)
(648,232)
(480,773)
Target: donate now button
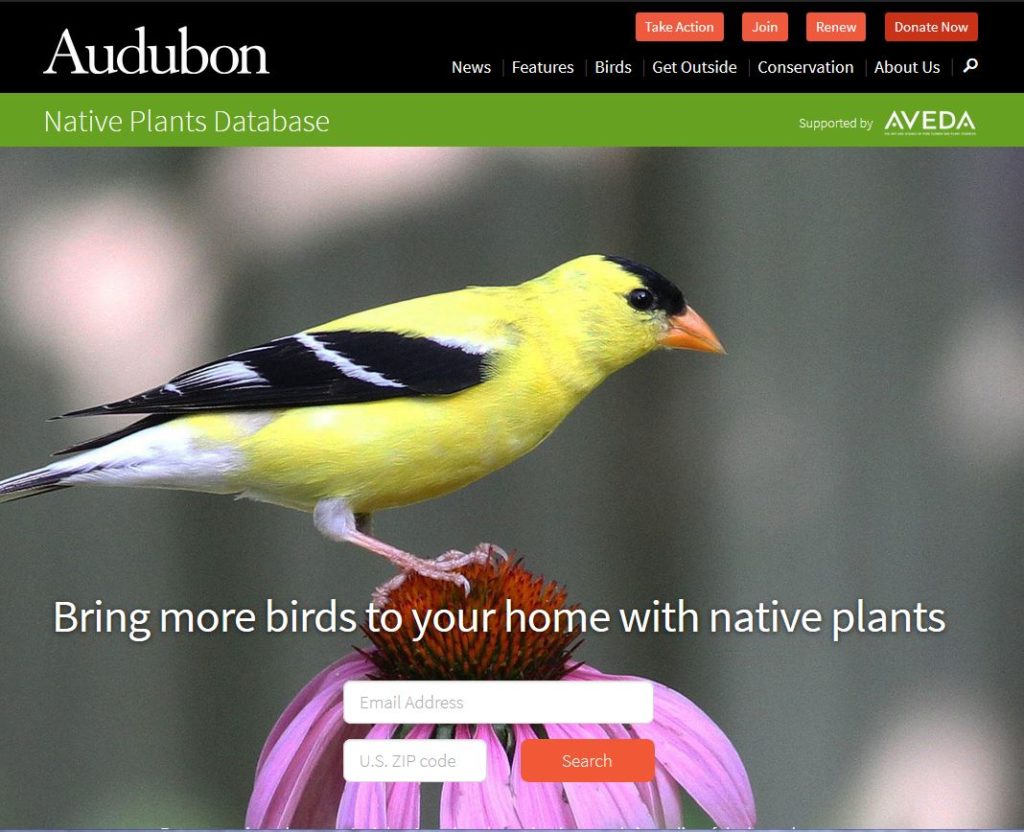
(681,26)
(938,26)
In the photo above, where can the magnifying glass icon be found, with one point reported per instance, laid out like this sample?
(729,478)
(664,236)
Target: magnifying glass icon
(971,63)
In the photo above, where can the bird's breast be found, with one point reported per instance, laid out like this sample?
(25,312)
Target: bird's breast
(399,451)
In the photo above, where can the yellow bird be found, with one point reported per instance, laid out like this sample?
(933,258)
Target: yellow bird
(389,406)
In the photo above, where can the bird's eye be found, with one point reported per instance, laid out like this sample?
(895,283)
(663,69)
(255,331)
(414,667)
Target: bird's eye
(642,299)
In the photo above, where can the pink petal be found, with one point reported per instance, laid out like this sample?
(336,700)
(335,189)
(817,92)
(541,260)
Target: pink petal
(403,799)
(318,804)
(539,805)
(668,816)
(602,805)
(667,799)
(453,794)
(496,790)
(485,805)
(364,805)
(662,796)
(352,666)
(700,757)
(696,753)
(290,763)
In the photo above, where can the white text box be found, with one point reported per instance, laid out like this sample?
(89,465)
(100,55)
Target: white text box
(415,761)
(471,702)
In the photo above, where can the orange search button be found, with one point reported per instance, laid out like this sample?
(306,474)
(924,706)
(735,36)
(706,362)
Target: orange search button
(680,26)
(587,761)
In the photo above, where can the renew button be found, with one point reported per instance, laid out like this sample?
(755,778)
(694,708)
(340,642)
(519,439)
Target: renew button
(833,26)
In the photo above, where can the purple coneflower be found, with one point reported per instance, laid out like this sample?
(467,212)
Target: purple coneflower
(299,781)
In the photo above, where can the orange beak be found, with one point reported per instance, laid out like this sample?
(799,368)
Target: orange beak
(689,331)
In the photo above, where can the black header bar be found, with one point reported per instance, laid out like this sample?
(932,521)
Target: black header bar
(500,47)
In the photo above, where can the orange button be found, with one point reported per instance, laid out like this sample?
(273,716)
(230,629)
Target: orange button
(836,26)
(680,26)
(765,26)
(587,761)
(931,26)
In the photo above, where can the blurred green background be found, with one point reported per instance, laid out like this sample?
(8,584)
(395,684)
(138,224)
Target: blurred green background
(864,438)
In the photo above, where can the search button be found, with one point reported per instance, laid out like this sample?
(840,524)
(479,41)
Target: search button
(587,761)
(970,64)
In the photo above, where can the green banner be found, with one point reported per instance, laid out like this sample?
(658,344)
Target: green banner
(502,119)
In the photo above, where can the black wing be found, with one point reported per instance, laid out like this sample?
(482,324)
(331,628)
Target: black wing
(314,368)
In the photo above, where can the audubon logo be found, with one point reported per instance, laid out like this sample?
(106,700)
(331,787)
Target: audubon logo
(929,123)
(142,58)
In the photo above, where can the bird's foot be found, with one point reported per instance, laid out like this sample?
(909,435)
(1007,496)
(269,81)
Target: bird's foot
(442,568)
(483,553)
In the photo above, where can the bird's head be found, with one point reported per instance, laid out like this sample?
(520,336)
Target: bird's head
(622,310)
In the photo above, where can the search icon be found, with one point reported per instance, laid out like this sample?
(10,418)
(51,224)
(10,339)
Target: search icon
(971,63)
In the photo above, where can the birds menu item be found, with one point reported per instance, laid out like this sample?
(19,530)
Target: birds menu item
(390,406)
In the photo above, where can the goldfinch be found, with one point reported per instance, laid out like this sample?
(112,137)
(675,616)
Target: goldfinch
(390,406)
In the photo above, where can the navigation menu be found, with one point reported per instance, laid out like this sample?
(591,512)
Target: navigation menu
(557,46)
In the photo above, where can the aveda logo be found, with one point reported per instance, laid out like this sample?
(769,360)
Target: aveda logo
(929,121)
(142,58)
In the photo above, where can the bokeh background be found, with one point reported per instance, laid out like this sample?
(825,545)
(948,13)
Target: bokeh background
(864,438)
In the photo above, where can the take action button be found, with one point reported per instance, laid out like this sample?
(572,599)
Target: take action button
(931,26)
(834,26)
(683,26)
(764,26)
(587,761)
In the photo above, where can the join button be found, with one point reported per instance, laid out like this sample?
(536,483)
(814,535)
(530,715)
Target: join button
(765,26)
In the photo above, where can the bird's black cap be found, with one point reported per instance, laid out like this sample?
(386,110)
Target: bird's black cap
(668,296)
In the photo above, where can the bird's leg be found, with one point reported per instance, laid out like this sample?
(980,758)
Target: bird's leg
(336,521)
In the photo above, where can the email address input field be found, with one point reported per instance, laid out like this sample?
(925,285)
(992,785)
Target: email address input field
(473,702)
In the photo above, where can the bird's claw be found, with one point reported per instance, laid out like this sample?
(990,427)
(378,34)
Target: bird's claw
(493,551)
(382,594)
(442,568)
(483,553)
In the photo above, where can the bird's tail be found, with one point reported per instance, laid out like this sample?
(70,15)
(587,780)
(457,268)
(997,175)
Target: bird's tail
(149,454)
(31,483)
(91,458)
